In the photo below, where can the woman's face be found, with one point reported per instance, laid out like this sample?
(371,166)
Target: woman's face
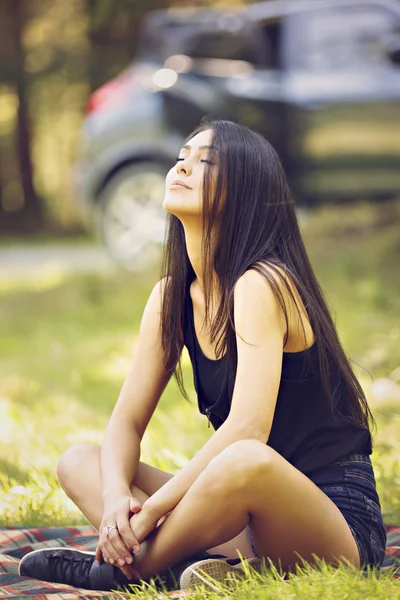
(184,182)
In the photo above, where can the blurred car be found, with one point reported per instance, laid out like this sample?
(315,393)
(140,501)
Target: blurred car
(320,79)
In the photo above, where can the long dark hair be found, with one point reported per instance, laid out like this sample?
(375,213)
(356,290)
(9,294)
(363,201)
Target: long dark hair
(257,223)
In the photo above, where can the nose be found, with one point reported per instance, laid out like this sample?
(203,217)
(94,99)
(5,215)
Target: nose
(183,167)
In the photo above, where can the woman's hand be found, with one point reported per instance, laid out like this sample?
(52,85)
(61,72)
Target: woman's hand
(116,548)
(144,522)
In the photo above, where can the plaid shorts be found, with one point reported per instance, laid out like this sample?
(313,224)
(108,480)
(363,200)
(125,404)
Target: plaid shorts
(350,484)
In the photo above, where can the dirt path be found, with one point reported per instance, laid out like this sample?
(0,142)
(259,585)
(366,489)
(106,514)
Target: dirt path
(19,260)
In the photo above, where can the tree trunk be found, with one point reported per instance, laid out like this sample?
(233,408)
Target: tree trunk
(32,213)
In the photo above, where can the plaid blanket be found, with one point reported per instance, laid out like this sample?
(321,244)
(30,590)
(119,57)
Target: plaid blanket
(15,543)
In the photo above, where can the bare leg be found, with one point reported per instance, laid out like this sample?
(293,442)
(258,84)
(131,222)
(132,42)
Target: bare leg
(250,482)
(80,476)
(83,485)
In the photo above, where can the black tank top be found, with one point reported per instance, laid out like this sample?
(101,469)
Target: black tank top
(303,431)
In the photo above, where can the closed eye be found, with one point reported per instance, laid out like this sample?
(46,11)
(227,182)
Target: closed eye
(177,159)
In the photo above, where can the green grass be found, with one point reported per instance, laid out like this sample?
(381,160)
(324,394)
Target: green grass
(313,583)
(320,582)
(66,343)
(81,238)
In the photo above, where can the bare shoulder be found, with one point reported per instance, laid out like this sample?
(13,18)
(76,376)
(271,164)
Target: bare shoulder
(162,285)
(281,278)
(300,334)
(258,315)
(278,273)
(284,302)
(156,298)
(254,280)
(157,293)
(253,283)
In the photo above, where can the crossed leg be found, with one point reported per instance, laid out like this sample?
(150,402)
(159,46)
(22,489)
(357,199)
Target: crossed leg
(80,476)
(249,483)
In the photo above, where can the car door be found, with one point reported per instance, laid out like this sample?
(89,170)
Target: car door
(344,93)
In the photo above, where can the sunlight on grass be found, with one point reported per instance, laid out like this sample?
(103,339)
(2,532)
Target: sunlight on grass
(115,367)
(46,279)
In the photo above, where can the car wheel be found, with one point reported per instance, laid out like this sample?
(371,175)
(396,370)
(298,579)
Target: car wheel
(131,219)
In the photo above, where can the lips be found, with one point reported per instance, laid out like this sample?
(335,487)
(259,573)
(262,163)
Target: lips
(177,184)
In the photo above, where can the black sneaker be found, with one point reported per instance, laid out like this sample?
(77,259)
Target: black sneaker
(219,568)
(73,567)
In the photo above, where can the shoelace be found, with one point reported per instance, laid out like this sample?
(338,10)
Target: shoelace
(59,564)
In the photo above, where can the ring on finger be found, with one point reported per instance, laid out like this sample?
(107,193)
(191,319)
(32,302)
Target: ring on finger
(107,529)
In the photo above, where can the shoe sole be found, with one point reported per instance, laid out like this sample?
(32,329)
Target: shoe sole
(48,550)
(216,568)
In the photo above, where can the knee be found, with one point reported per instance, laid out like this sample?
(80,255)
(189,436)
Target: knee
(70,464)
(240,463)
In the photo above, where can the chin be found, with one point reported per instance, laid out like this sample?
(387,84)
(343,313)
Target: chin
(169,205)
(179,208)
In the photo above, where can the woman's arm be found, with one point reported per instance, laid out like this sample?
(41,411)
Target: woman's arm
(120,450)
(120,454)
(139,396)
(259,321)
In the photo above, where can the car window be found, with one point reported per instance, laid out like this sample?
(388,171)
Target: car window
(272,38)
(224,45)
(344,38)
(158,40)
(217,45)
(210,36)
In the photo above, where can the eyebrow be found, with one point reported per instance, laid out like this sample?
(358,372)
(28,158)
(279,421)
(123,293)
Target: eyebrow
(188,147)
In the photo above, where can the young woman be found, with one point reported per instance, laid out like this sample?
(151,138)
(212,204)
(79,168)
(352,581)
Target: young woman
(287,475)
